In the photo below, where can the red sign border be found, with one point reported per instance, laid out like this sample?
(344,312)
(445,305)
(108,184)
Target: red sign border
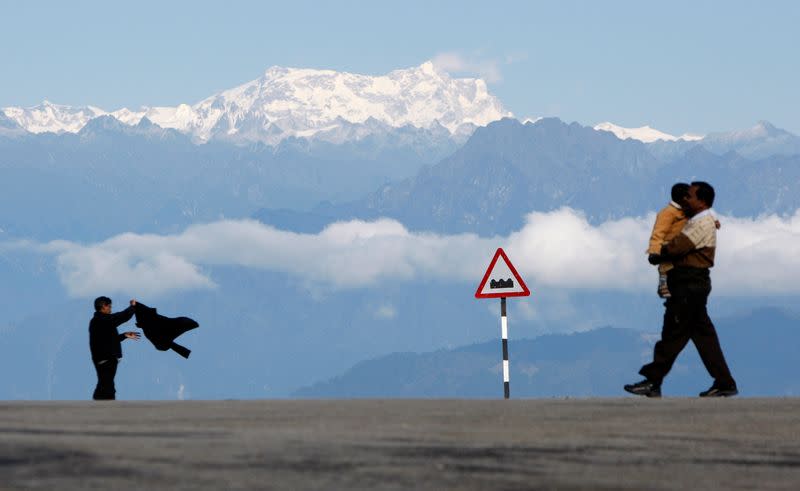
(525,291)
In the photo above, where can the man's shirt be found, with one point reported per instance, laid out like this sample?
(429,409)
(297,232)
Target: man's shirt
(696,245)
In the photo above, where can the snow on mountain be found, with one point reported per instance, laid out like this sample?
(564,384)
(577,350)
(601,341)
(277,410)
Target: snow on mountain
(760,141)
(9,128)
(51,117)
(644,134)
(292,102)
(761,131)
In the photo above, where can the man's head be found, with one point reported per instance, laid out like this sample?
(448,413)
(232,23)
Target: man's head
(102,305)
(700,197)
(679,192)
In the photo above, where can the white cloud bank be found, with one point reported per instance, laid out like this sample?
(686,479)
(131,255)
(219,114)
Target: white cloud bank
(555,250)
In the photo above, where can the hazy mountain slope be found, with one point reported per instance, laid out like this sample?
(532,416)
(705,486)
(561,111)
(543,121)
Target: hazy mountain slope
(111,178)
(761,348)
(508,169)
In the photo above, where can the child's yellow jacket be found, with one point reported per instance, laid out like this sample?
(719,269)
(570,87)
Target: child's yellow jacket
(669,223)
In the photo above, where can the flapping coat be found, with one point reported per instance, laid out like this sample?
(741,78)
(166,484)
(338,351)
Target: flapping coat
(162,331)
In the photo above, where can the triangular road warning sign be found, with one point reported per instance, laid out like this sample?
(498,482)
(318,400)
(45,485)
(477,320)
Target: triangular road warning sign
(501,279)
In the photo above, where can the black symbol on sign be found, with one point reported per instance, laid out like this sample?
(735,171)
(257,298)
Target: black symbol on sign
(509,283)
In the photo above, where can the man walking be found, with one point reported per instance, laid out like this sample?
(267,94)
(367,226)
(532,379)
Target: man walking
(105,343)
(692,254)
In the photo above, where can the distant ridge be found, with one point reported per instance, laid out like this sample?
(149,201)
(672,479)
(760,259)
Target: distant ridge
(301,103)
(758,345)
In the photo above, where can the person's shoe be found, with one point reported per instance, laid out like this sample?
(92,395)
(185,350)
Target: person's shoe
(646,388)
(719,392)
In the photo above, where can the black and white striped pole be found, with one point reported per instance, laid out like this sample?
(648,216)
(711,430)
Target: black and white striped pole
(501,281)
(504,329)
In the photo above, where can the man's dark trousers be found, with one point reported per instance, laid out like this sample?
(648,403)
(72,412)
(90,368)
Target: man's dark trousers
(685,318)
(105,390)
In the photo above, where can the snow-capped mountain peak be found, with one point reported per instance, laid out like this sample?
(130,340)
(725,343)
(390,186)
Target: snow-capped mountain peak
(305,100)
(300,102)
(644,134)
(759,141)
(762,129)
(51,117)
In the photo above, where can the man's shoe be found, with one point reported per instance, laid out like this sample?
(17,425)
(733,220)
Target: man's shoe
(718,392)
(646,388)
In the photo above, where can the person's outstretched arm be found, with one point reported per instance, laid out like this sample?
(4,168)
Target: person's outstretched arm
(119,318)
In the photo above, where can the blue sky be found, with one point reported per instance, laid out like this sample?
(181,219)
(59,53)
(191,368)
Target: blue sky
(678,66)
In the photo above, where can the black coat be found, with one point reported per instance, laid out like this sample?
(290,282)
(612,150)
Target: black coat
(162,331)
(105,342)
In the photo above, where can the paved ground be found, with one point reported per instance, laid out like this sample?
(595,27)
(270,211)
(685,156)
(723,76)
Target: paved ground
(379,444)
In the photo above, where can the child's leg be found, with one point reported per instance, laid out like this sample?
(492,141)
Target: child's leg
(663,289)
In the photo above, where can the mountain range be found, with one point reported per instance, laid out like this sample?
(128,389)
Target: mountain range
(337,107)
(150,179)
(507,169)
(301,103)
(146,178)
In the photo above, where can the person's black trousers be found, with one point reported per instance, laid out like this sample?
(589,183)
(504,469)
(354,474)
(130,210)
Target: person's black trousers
(685,318)
(105,390)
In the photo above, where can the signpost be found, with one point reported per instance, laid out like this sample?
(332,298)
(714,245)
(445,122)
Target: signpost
(501,281)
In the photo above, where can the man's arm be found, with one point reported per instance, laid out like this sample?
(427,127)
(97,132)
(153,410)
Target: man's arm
(120,318)
(678,246)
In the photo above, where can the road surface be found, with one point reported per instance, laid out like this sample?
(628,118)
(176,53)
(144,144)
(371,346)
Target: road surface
(625,443)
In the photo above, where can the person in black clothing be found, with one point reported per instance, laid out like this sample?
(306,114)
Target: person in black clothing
(105,343)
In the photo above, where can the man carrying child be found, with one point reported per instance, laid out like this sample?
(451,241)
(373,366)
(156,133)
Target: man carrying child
(691,254)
